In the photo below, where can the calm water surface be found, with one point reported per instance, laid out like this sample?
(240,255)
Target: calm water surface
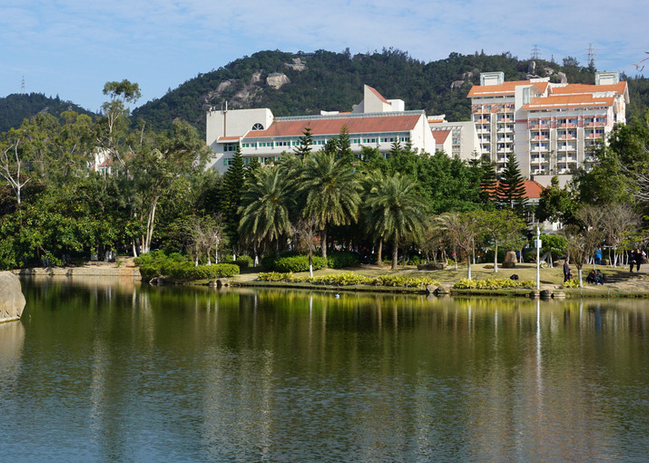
(102,371)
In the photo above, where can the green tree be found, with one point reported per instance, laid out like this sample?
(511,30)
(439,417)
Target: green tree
(233,181)
(502,227)
(398,211)
(556,204)
(332,193)
(511,187)
(265,208)
(306,143)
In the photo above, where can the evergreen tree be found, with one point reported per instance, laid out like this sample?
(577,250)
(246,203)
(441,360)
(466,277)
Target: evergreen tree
(488,181)
(306,142)
(511,187)
(344,145)
(232,186)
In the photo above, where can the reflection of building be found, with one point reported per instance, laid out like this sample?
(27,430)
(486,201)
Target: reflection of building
(552,128)
(375,123)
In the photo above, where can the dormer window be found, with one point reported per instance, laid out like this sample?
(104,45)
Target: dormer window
(257,126)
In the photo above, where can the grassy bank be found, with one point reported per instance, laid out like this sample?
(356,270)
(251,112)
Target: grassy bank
(551,279)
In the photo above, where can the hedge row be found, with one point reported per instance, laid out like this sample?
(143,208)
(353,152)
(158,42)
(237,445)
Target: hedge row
(177,267)
(493,283)
(291,262)
(350,278)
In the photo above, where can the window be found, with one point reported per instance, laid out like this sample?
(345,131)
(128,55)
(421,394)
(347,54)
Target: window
(257,126)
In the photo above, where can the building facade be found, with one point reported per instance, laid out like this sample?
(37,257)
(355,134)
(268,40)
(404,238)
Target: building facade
(375,122)
(551,128)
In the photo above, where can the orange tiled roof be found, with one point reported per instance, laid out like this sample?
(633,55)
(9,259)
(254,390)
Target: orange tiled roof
(532,189)
(568,101)
(379,96)
(506,88)
(573,89)
(440,136)
(332,125)
(227,139)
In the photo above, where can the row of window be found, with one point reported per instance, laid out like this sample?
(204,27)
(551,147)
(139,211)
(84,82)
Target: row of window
(316,142)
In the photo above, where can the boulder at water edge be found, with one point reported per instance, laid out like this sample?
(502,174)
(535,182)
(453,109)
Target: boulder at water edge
(12,300)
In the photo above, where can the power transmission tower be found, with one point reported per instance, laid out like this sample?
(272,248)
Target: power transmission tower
(22,86)
(536,52)
(591,55)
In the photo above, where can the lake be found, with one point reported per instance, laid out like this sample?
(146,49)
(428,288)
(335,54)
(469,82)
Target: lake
(110,371)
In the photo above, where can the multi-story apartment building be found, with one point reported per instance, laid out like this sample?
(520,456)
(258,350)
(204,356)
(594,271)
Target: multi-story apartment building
(551,128)
(375,122)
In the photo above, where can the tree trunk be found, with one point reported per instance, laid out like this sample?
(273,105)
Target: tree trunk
(150,225)
(379,254)
(395,254)
(495,256)
(323,242)
(468,265)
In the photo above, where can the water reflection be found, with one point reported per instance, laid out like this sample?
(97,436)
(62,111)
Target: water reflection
(185,374)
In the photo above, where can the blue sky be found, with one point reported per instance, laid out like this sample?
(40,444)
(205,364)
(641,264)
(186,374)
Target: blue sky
(72,47)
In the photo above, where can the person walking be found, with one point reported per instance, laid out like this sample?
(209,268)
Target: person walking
(638,259)
(566,270)
(632,260)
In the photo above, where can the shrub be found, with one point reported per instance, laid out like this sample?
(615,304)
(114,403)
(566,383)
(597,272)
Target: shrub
(244,261)
(342,259)
(493,283)
(572,283)
(293,263)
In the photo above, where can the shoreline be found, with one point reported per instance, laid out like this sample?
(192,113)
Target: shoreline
(626,285)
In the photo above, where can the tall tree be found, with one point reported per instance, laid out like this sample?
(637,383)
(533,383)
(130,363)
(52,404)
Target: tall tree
(233,181)
(332,193)
(398,210)
(306,143)
(265,208)
(511,187)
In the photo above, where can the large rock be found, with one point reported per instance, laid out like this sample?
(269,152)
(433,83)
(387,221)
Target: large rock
(12,300)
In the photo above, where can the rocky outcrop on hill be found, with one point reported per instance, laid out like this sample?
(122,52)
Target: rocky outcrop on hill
(12,300)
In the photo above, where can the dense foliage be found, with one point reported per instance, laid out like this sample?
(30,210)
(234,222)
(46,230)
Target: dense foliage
(15,108)
(334,81)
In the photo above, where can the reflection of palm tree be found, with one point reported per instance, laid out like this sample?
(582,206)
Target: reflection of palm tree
(265,206)
(397,210)
(332,192)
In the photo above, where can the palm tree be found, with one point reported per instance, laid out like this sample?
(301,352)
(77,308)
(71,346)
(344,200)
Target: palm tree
(265,205)
(398,210)
(332,192)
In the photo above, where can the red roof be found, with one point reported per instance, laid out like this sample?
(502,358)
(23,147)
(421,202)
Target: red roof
(378,95)
(532,189)
(506,88)
(568,101)
(386,122)
(440,136)
(572,89)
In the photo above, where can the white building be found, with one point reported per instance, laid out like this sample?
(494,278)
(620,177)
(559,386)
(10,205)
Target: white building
(458,139)
(551,128)
(375,122)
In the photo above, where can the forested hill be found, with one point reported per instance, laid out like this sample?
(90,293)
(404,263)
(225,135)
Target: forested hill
(17,107)
(305,83)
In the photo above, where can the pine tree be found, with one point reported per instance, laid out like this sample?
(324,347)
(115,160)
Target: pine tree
(511,187)
(487,181)
(306,142)
(231,198)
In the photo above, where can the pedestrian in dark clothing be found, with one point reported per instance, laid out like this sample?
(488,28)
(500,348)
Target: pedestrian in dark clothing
(638,259)
(566,271)
(632,260)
